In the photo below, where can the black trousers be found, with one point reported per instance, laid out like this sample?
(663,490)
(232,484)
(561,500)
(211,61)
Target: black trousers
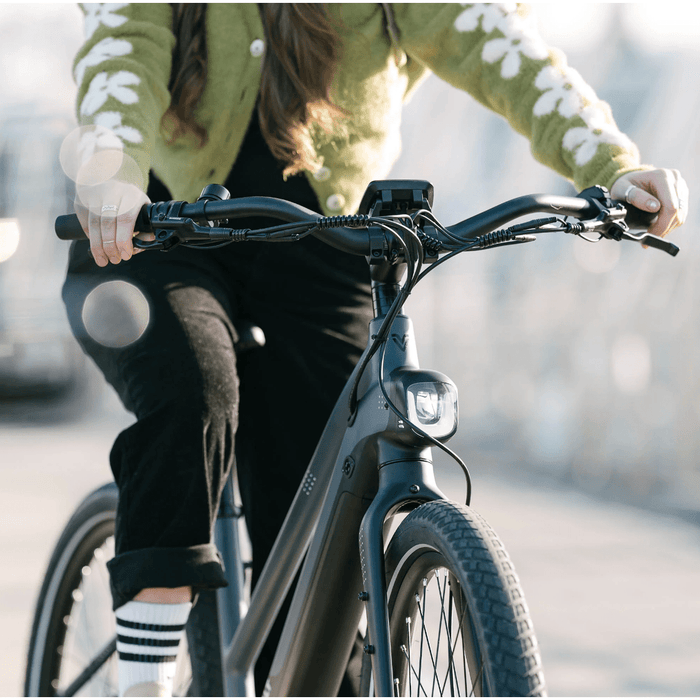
(197,404)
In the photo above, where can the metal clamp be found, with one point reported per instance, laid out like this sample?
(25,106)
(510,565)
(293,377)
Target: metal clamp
(377,245)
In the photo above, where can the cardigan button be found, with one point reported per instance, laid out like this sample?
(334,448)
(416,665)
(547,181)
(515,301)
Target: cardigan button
(322,174)
(257,48)
(335,202)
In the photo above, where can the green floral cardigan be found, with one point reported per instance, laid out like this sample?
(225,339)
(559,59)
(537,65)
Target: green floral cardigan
(492,51)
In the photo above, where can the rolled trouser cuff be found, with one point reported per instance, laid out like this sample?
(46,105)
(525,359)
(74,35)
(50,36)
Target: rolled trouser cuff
(199,566)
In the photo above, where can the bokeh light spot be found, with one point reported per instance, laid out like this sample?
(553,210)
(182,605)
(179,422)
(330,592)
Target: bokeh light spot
(125,189)
(101,167)
(91,154)
(116,314)
(9,238)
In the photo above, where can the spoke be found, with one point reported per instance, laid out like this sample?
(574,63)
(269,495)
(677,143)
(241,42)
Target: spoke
(90,618)
(443,617)
(85,608)
(84,643)
(460,632)
(424,630)
(410,665)
(473,682)
(453,678)
(439,634)
(450,673)
(71,655)
(420,685)
(463,607)
(90,671)
(422,636)
(446,623)
(450,659)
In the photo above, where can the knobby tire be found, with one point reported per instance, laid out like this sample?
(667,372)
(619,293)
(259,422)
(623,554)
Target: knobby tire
(459,624)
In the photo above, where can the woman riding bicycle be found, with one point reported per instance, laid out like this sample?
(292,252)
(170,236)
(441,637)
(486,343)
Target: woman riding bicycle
(300,102)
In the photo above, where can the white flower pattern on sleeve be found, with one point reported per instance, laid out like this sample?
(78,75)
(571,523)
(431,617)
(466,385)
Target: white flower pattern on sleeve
(568,92)
(102,51)
(583,141)
(103,13)
(109,131)
(104,86)
(563,91)
(487,14)
(519,38)
(113,122)
(95,139)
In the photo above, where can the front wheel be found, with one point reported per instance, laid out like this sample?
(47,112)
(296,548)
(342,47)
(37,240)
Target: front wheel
(72,649)
(459,625)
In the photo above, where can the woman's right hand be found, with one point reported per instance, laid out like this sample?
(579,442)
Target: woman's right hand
(107,213)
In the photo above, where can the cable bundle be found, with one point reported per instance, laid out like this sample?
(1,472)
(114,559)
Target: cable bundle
(494,238)
(431,246)
(349,221)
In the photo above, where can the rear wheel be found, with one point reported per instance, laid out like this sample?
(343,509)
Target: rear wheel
(72,648)
(459,625)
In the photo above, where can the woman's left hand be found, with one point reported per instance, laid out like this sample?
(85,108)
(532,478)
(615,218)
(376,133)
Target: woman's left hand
(663,191)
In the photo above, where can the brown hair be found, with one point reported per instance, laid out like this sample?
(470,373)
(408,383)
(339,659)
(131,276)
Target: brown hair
(299,64)
(188,76)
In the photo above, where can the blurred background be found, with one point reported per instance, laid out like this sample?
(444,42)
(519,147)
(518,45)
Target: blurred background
(576,363)
(575,360)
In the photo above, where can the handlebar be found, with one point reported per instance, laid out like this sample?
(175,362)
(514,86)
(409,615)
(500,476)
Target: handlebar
(68,227)
(366,233)
(521,206)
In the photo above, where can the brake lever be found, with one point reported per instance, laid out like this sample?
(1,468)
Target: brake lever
(638,218)
(147,245)
(165,239)
(189,230)
(646,239)
(172,231)
(611,222)
(620,232)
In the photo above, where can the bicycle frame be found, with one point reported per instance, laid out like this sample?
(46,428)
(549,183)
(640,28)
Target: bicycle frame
(360,475)
(364,470)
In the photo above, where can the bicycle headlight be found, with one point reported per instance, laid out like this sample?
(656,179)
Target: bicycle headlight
(424,399)
(432,407)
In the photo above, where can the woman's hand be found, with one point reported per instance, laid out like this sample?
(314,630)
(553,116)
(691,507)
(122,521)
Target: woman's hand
(107,213)
(663,191)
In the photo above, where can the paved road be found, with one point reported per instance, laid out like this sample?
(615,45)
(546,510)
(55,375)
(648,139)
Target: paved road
(613,591)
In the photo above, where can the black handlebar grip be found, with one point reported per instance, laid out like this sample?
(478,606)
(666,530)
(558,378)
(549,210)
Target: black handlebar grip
(68,227)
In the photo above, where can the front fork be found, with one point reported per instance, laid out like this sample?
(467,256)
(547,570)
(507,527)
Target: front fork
(401,483)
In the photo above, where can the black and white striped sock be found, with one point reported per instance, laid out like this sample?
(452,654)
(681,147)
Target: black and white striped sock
(148,635)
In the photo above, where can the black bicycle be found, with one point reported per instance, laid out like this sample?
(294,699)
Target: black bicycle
(438,600)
